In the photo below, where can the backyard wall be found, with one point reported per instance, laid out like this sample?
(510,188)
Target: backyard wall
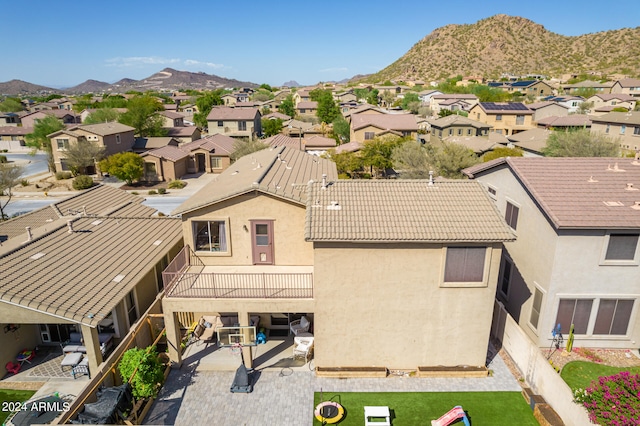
(535,368)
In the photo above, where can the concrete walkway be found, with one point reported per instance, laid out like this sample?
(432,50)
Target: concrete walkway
(285,397)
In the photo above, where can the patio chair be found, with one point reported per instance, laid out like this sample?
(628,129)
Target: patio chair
(300,326)
(13,368)
(303,348)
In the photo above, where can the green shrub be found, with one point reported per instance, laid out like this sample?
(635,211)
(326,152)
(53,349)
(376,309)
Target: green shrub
(135,193)
(82,182)
(149,374)
(63,175)
(24,182)
(3,158)
(177,184)
(162,191)
(152,192)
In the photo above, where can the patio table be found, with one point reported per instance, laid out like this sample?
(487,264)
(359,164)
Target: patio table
(71,360)
(25,356)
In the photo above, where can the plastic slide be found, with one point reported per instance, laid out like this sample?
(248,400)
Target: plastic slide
(451,416)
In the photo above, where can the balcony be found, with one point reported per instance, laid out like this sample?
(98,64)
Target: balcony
(187,277)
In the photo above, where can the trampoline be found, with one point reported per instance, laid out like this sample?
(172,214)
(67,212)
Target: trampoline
(329,412)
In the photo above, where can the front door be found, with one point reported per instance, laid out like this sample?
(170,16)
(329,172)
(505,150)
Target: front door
(200,163)
(262,242)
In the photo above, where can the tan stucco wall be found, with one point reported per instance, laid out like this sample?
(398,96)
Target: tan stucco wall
(627,140)
(508,123)
(382,305)
(11,343)
(289,245)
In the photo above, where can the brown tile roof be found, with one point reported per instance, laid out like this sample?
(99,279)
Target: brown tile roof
(319,142)
(218,144)
(307,105)
(579,193)
(352,146)
(534,140)
(539,105)
(82,275)
(629,82)
(284,140)
(455,96)
(15,130)
(171,114)
(610,96)
(477,144)
(282,172)
(403,210)
(631,117)
(181,131)
(277,115)
(573,120)
(457,120)
(100,200)
(228,113)
(169,152)
(104,129)
(154,142)
(385,121)
(363,108)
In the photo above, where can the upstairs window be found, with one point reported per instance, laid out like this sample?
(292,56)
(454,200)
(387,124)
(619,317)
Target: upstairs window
(464,264)
(62,144)
(499,117)
(242,125)
(519,119)
(511,215)
(622,247)
(623,129)
(210,236)
(369,136)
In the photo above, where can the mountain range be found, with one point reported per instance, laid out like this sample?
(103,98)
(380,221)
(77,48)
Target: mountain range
(490,47)
(511,44)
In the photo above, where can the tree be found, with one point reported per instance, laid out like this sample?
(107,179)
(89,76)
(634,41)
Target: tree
(341,131)
(244,147)
(502,152)
(328,109)
(287,106)
(82,155)
(388,98)
(271,127)
(11,105)
(266,87)
(450,158)
(373,97)
(580,143)
(410,102)
(584,107)
(126,166)
(376,153)
(9,177)
(142,114)
(348,164)
(411,161)
(38,138)
(102,115)
(142,368)
(205,103)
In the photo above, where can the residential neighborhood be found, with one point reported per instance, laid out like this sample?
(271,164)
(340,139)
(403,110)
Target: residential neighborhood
(326,250)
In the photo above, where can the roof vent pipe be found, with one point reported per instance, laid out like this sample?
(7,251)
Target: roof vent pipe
(70,226)
(430,177)
(29,235)
(84,210)
(324,181)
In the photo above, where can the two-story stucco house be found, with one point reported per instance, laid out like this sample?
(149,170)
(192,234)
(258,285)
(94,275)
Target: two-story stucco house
(114,137)
(506,118)
(235,122)
(576,256)
(366,126)
(623,127)
(277,234)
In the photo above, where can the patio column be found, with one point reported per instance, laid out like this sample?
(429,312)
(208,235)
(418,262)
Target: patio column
(172,326)
(92,343)
(247,351)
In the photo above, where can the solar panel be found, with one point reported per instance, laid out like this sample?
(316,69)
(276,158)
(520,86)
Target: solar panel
(507,106)
(522,83)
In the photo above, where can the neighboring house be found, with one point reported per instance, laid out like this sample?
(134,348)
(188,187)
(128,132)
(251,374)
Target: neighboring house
(9,119)
(188,109)
(506,118)
(452,102)
(369,126)
(42,106)
(67,117)
(165,164)
(568,122)
(362,109)
(535,88)
(613,100)
(172,119)
(114,137)
(184,134)
(89,264)
(318,145)
(307,108)
(230,99)
(546,109)
(426,95)
(578,88)
(531,141)
(276,116)
(457,125)
(576,256)
(273,218)
(347,96)
(302,95)
(627,86)
(571,102)
(353,146)
(280,140)
(235,122)
(621,126)
(12,138)
(478,144)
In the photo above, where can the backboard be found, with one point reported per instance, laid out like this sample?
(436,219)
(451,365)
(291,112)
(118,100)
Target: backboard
(243,335)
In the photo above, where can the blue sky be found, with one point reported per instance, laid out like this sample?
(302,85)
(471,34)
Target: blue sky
(61,45)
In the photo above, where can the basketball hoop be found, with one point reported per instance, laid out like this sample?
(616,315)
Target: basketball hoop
(236,349)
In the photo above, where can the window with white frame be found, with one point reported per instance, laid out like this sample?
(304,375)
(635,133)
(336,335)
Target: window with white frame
(216,162)
(519,119)
(576,312)
(498,117)
(613,317)
(536,307)
(505,276)
(242,126)
(464,264)
(621,247)
(210,235)
(369,136)
(62,144)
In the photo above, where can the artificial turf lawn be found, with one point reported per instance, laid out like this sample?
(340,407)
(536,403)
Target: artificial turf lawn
(580,374)
(419,408)
(7,395)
